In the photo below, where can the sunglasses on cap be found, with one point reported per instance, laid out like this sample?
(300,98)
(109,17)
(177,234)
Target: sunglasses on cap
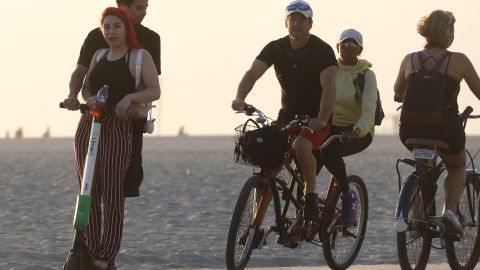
(298,6)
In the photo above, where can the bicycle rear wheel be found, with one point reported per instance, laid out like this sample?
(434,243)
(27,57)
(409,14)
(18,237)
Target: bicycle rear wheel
(243,236)
(414,244)
(343,243)
(464,254)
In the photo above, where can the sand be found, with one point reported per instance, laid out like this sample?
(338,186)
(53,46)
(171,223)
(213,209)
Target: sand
(181,220)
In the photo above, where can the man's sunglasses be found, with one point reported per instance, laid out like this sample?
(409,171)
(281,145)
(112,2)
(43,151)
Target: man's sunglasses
(298,6)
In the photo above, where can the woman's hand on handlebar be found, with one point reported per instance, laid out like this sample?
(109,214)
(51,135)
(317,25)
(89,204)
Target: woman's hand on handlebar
(122,107)
(315,124)
(238,105)
(348,136)
(71,103)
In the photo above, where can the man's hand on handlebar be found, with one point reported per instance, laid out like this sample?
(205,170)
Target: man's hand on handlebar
(238,105)
(71,103)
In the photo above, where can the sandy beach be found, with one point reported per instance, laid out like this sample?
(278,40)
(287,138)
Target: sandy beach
(181,219)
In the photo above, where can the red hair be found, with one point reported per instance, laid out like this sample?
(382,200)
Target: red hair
(132,40)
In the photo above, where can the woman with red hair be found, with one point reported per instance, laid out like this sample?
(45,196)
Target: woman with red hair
(115,68)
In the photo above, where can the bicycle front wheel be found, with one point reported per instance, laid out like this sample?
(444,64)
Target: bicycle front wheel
(243,236)
(464,254)
(344,241)
(413,244)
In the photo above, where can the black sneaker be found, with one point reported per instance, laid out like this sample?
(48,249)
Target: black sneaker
(311,210)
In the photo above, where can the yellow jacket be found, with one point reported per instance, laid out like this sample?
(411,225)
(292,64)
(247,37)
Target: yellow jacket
(351,106)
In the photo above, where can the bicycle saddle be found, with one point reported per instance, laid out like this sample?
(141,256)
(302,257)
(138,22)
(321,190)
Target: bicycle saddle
(428,142)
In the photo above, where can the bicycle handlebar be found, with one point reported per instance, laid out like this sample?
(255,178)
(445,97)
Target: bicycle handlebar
(249,110)
(330,140)
(466,113)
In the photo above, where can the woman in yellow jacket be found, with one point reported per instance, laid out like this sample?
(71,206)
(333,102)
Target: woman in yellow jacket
(353,114)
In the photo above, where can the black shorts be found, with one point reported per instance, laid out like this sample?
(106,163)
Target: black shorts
(452,133)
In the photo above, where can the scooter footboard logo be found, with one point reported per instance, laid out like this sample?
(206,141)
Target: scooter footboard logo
(91,149)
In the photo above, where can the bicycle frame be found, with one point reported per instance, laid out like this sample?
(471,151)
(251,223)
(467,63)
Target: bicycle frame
(426,174)
(283,224)
(417,199)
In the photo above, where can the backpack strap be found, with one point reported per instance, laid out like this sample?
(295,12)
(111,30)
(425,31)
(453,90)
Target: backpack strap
(101,53)
(138,79)
(411,60)
(138,67)
(421,59)
(360,80)
(448,62)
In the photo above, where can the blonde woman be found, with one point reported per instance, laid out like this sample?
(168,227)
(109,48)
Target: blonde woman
(451,68)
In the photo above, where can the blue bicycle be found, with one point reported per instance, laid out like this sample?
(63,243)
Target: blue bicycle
(416,221)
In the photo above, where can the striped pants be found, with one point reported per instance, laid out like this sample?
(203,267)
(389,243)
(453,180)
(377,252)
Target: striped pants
(104,231)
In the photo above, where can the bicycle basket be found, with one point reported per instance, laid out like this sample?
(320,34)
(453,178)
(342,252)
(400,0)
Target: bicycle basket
(265,147)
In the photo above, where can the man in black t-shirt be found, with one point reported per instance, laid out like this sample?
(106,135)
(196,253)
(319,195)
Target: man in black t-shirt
(306,69)
(150,41)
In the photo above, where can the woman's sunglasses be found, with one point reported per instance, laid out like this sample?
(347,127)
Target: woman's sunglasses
(349,43)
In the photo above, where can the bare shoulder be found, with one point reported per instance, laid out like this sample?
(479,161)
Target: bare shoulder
(406,65)
(458,56)
(460,61)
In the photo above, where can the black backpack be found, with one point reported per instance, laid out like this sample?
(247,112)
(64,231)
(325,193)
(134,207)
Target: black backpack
(360,83)
(424,102)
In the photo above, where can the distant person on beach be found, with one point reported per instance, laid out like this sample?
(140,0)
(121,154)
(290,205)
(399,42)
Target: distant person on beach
(150,40)
(447,69)
(306,69)
(115,68)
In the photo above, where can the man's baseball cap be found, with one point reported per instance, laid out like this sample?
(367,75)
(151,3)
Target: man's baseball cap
(301,7)
(352,34)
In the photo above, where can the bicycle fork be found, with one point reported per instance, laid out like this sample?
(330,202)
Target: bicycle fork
(263,202)
(403,205)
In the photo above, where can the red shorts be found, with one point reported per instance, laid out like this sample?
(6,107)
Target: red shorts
(316,137)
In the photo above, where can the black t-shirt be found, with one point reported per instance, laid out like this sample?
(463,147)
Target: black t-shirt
(298,72)
(149,40)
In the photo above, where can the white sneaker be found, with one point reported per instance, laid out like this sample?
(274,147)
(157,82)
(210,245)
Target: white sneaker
(451,220)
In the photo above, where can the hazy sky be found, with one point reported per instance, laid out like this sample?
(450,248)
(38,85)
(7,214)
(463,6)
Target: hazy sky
(206,48)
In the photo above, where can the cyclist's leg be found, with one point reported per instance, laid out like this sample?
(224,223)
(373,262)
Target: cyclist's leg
(354,146)
(336,166)
(304,145)
(303,150)
(332,157)
(455,179)
(455,162)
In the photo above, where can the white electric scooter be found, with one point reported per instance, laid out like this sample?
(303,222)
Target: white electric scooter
(79,257)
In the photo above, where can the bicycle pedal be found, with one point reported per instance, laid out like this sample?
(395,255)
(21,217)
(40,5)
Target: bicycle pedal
(298,229)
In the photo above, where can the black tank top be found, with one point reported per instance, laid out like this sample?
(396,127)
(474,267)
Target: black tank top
(116,74)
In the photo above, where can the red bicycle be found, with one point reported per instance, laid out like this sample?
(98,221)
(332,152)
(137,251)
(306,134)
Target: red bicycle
(284,185)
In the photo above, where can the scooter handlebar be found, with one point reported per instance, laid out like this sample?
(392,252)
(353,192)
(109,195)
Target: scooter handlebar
(82,107)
